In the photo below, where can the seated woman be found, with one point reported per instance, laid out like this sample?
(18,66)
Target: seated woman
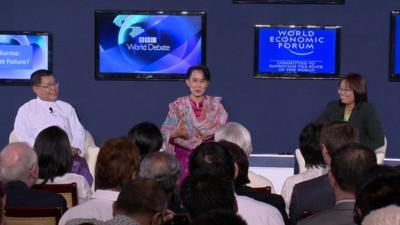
(315,165)
(147,137)
(55,161)
(354,108)
(117,163)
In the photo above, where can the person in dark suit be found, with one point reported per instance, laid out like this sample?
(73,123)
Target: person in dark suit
(353,107)
(316,194)
(19,170)
(348,165)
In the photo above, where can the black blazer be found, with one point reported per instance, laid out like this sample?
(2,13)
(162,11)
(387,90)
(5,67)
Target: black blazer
(363,117)
(20,195)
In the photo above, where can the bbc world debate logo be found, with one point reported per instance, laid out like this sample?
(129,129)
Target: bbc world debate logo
(298,42)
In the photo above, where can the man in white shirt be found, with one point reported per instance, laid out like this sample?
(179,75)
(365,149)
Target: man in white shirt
(45,111)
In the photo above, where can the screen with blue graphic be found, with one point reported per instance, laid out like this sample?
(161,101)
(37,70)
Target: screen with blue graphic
(22,53)
(395,47)
(148,45)
(284,51)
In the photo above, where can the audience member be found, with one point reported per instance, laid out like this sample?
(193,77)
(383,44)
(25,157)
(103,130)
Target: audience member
(47,110)
(348,165)
(379,188)
(212,159)
(202,193)
(147,137)
(315,165)
(389,215)
(19,171)
(219,217)
(117,163)
(242,167)
(238,134)
(55,161)
(141,202)
(164,168)
(316,194)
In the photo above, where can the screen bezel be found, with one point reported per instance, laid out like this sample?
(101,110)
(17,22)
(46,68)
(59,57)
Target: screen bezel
(392,75)
(27,81)
(146,76)
(283,75)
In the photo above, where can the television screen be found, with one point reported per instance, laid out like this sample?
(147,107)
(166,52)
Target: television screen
(22,53)
(148,45)
(395,47)
(302,52)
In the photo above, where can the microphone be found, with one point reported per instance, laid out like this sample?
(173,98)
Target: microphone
(51,110)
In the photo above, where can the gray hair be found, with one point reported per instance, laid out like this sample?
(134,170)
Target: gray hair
(163,167)
(237,134)
(16,161)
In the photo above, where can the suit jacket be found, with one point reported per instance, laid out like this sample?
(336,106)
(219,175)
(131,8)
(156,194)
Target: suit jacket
(271,199)
(363,117)
(314,195)
(340,214)
(20,195)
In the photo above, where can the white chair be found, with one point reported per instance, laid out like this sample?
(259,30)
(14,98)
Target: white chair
(300,160)
(381,153)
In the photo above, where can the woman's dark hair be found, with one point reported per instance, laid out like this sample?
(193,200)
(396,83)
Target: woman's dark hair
(54,153)
(241,160)
(309,145)
(202,68)
(147,137)
(357,85)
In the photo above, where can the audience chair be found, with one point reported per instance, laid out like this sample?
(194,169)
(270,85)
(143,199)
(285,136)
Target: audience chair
(68,191)
(266,189)
(381,153)
(32,216)
(300,160)
(307,213)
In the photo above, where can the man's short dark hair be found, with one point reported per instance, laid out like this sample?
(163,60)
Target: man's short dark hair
(336,134)
(309,145)
(201,194)
(349,163)
(241,160)
(219,217)
(212,159)
(147,137)
(36,77)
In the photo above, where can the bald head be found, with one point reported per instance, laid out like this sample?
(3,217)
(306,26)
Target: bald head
(16,162)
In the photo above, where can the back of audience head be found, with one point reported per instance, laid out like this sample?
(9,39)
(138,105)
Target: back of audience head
(54,153)
(202,193)
(310,147)
(212,159)
(389,215)
(163,167)
(18,162)
(142,199)
(237,134)
(219,217)
(348,165)
(147,137)
(379,187)
(334,135)
(241,161)
(117,163)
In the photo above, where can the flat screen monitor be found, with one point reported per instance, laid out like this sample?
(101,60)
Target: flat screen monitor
(395,47)
(158,45)
(297,52)
(22,53)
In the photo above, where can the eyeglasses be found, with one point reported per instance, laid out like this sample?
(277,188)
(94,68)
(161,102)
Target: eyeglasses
(345,90)
(47,86)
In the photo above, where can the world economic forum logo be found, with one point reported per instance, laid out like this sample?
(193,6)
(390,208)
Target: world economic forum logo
(299,42)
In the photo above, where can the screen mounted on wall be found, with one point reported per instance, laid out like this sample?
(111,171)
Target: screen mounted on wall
(297,52)
(22,53)
(148,44)
(395,47)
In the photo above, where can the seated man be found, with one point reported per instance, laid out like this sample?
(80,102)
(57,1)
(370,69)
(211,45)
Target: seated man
(348,165)
(141,202)
(45,111)
(19,170)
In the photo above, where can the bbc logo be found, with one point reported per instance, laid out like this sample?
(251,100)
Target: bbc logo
(148,40)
